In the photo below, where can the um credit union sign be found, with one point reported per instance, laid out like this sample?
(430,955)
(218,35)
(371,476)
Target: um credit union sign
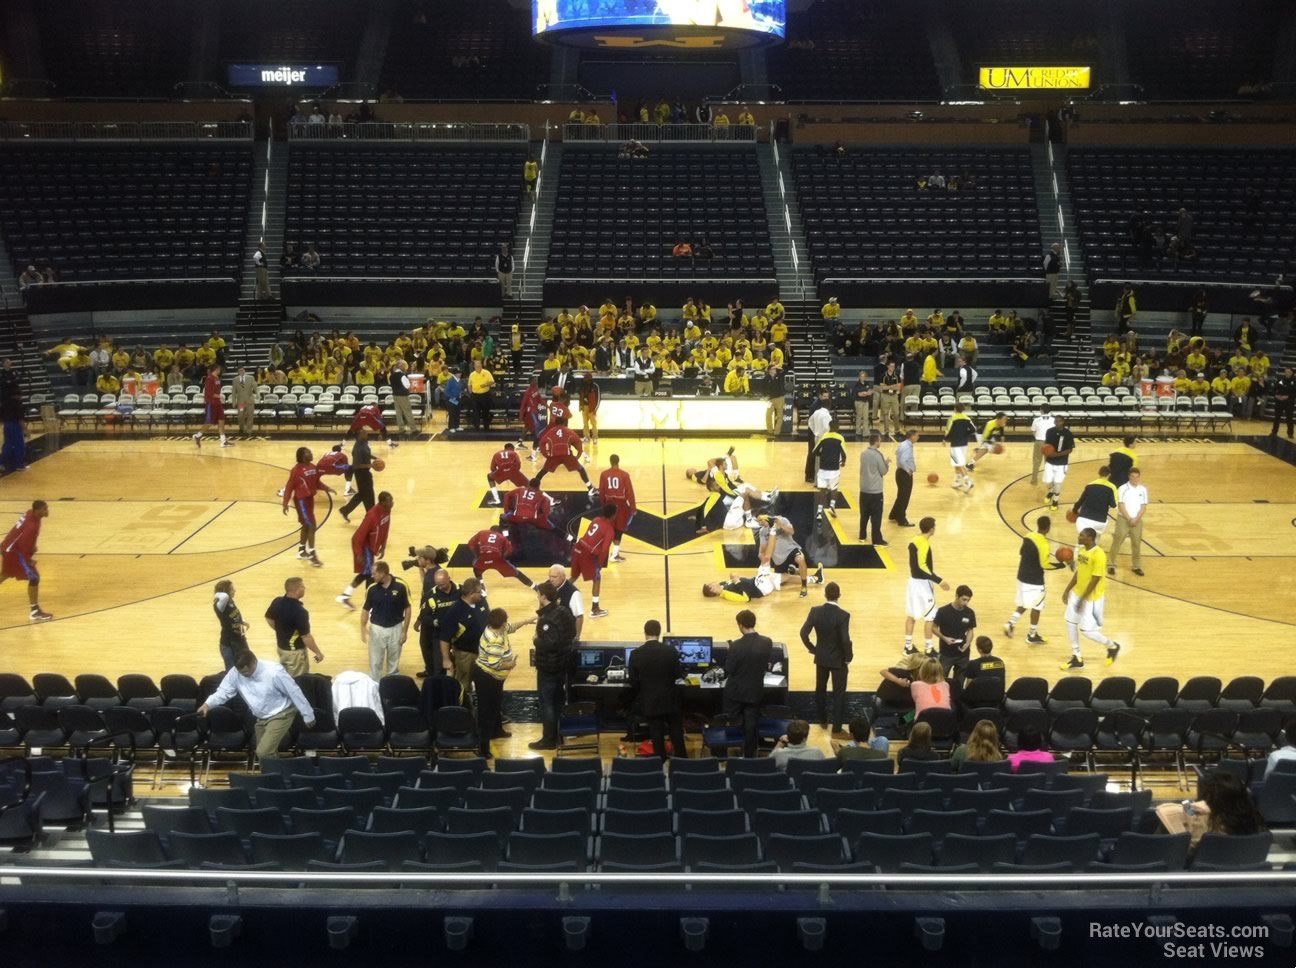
(1033,78)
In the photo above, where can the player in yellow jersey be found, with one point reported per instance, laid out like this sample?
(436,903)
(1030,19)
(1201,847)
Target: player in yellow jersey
(920,600)
(993,433)
(1031,594)
(1084,597)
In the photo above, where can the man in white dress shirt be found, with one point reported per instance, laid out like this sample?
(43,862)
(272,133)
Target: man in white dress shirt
(1040,426)
(271,696)
(1132,498)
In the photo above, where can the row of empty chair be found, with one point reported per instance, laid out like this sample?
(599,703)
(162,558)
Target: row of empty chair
(402,210)
(1110,186)
(126,212)
(620,217)
(865,215)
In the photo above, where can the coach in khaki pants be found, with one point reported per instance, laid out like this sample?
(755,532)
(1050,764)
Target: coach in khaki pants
(245,400)
(1132,500)
(385,620)
(271,696)
(291,623)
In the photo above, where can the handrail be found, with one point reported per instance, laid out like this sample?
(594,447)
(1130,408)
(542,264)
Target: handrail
(126,131)
(612,280)
(635,131)
(484,879)
(128,282)
(876,278)
(411,131)
(313,278)
(1135,281)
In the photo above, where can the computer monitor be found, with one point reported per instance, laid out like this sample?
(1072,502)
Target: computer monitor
(693,651)
(591,659)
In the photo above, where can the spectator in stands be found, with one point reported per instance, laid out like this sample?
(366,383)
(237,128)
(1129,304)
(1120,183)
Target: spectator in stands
(982,746)
(48,276)
(792,745)
(29,278)
(174,379)
(1030,749)
(683,249)
(930,373)
(1052,266)
(107,383)
(592,116)
(1126,307)
(530,175)
(290,260)
(101,358)
(317,116)
(863,745)
(745,116)
(310,260)
(1232,811)
(946,351)
(918,748)
(262,273)
(703,249)
(504,270)
(453,390)
(644,371)
(1285,753)
(927,685)
(967,376)
(1184,226)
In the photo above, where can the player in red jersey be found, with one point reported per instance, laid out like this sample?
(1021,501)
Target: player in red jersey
(17,552)
(590,555)
(214,415)
(561,447)
(616,488)
(367,545)
(491,548)
(506,465)
(526,505)
(370,416)
(559,408)
(334,462)
(533,412)
(589,396)
(303,484)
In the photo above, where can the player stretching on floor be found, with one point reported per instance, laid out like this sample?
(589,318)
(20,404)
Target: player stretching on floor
(527,505)
(992,434)
(729,490)
(920,601)
(370,416)
(765,582)
(17,552)
(959,432)
(1084,608)
(368,545)
(1031,594)
(303,484)
(506,465)
(780,552)
(561,447)
(616,488)
(1096,500)
(491,548)
(214,415)
(590,556)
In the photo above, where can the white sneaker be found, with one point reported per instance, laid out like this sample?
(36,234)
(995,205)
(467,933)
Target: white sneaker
(197,439)
(586,458)
(970,484)
(345,602)
(1008,629)
(346,492)
(301,553)
(598,613)
(279,493)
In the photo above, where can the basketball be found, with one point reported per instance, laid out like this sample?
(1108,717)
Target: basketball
(933,478)
(379,464)
(1072,516)
(997,449)
(1048,450)
(1064,554)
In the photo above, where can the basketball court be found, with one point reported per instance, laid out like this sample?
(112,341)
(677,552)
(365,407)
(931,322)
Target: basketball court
(141,529)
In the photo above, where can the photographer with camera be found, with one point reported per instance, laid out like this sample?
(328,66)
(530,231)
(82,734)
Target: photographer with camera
(438,592)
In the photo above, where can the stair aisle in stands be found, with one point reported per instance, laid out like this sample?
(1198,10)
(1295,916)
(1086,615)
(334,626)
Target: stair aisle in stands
(1073,360)
(258,322)
(527,307)
(16,339)
(812,358)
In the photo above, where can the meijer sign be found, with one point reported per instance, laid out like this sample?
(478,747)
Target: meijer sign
(283,75)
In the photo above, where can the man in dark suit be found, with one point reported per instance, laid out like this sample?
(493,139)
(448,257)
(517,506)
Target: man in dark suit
(745,668)
(654,669)
(832,653)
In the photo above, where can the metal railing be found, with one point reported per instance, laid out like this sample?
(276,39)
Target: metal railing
(654,280)
(126,131)
(616,133)
(1264,287)
(87,283)
(487,881)
(408,131)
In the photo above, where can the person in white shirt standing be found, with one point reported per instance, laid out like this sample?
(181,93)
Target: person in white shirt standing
(1040,426)
(1133,501)
(271,696)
